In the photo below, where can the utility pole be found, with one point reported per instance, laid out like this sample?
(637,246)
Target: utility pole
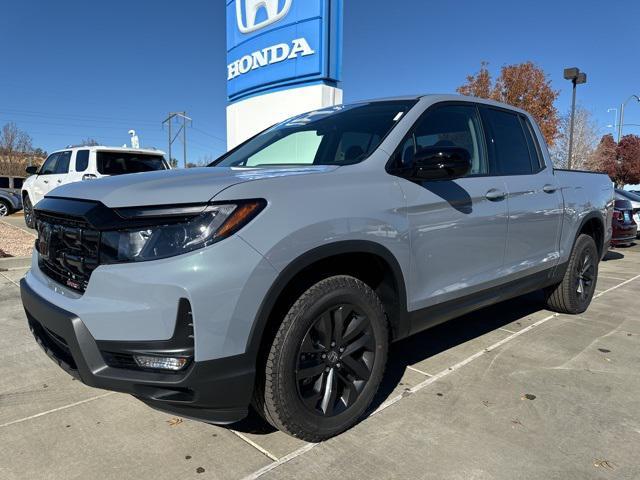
(182,129)
(577,78)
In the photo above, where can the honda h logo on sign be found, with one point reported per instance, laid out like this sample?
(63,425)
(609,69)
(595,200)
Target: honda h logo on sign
(281,43)
(273,53)
(252,7)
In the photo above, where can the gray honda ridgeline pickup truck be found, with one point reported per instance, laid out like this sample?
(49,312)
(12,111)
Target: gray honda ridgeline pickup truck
(278,276)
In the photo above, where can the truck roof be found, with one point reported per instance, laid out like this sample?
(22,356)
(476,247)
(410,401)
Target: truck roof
(146,151)
(445,97)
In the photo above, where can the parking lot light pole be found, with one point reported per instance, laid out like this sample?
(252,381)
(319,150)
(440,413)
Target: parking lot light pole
(577,78)
(621,122)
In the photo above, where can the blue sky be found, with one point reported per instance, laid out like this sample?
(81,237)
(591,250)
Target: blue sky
(74,69)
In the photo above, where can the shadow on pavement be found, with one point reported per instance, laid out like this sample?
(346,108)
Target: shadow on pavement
(426,344)
(447,335)
(612,255)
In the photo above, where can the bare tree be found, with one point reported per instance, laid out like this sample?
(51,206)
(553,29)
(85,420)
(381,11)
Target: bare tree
(586,135)
(16,150)
(13,140)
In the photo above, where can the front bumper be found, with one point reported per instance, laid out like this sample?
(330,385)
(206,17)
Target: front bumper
(215,391)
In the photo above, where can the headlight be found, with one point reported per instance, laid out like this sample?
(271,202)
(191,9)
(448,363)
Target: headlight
(166,232)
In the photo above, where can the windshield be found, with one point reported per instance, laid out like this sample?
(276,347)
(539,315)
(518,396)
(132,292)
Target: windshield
(119,163)
(340,135)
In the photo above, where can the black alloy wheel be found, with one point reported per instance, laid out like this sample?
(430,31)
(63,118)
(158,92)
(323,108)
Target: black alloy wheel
(335,360)
(585,275)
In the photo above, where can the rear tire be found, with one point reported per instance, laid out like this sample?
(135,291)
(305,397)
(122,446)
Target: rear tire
(573,295)
(326,361)
(29,218)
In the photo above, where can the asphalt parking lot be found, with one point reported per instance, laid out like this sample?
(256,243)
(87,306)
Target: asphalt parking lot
(511,391)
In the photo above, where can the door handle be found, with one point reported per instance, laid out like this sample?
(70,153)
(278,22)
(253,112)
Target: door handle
(495,195)
(548,188)
(45,181)
(59,181)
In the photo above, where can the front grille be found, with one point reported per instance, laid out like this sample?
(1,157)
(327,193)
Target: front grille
(69,249)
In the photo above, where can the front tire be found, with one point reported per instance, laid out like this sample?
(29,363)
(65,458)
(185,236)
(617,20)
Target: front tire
(29,218)
(326,361)
(573,295)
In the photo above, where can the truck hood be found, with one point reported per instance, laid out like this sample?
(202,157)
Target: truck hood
(194,185)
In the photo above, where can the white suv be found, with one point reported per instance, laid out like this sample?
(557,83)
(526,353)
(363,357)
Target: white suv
(85,163)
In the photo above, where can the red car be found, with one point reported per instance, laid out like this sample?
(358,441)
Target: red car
(625,228)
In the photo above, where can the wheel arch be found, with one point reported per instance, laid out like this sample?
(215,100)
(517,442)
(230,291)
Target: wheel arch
(593,225)
(360,258)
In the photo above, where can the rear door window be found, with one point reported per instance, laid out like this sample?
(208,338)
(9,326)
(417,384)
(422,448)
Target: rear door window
(537,161)
(4,182)
(82,160)
(120,163)
(508,147)
(17,182)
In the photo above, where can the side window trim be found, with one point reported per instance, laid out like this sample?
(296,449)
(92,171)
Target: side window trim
(481,137)
(489,142)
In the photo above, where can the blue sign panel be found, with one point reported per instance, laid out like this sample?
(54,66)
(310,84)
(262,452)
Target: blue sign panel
(274,44)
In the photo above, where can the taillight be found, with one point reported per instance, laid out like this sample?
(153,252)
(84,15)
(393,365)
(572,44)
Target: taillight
(617,215)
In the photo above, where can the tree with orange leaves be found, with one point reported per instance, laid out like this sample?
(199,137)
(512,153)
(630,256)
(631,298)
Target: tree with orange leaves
(523,85)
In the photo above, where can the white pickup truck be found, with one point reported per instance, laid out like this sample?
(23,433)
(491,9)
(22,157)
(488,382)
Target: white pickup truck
(85,163)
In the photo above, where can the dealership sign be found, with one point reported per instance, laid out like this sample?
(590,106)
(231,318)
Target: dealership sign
(275,44)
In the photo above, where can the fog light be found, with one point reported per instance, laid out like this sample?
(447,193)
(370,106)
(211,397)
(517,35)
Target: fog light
(161,363)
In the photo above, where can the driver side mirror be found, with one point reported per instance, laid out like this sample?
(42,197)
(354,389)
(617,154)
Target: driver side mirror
(31,169)
(441,163)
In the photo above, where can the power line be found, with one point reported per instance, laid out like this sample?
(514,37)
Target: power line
(62,117)
(68,116)
(84,125)
(220,139)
